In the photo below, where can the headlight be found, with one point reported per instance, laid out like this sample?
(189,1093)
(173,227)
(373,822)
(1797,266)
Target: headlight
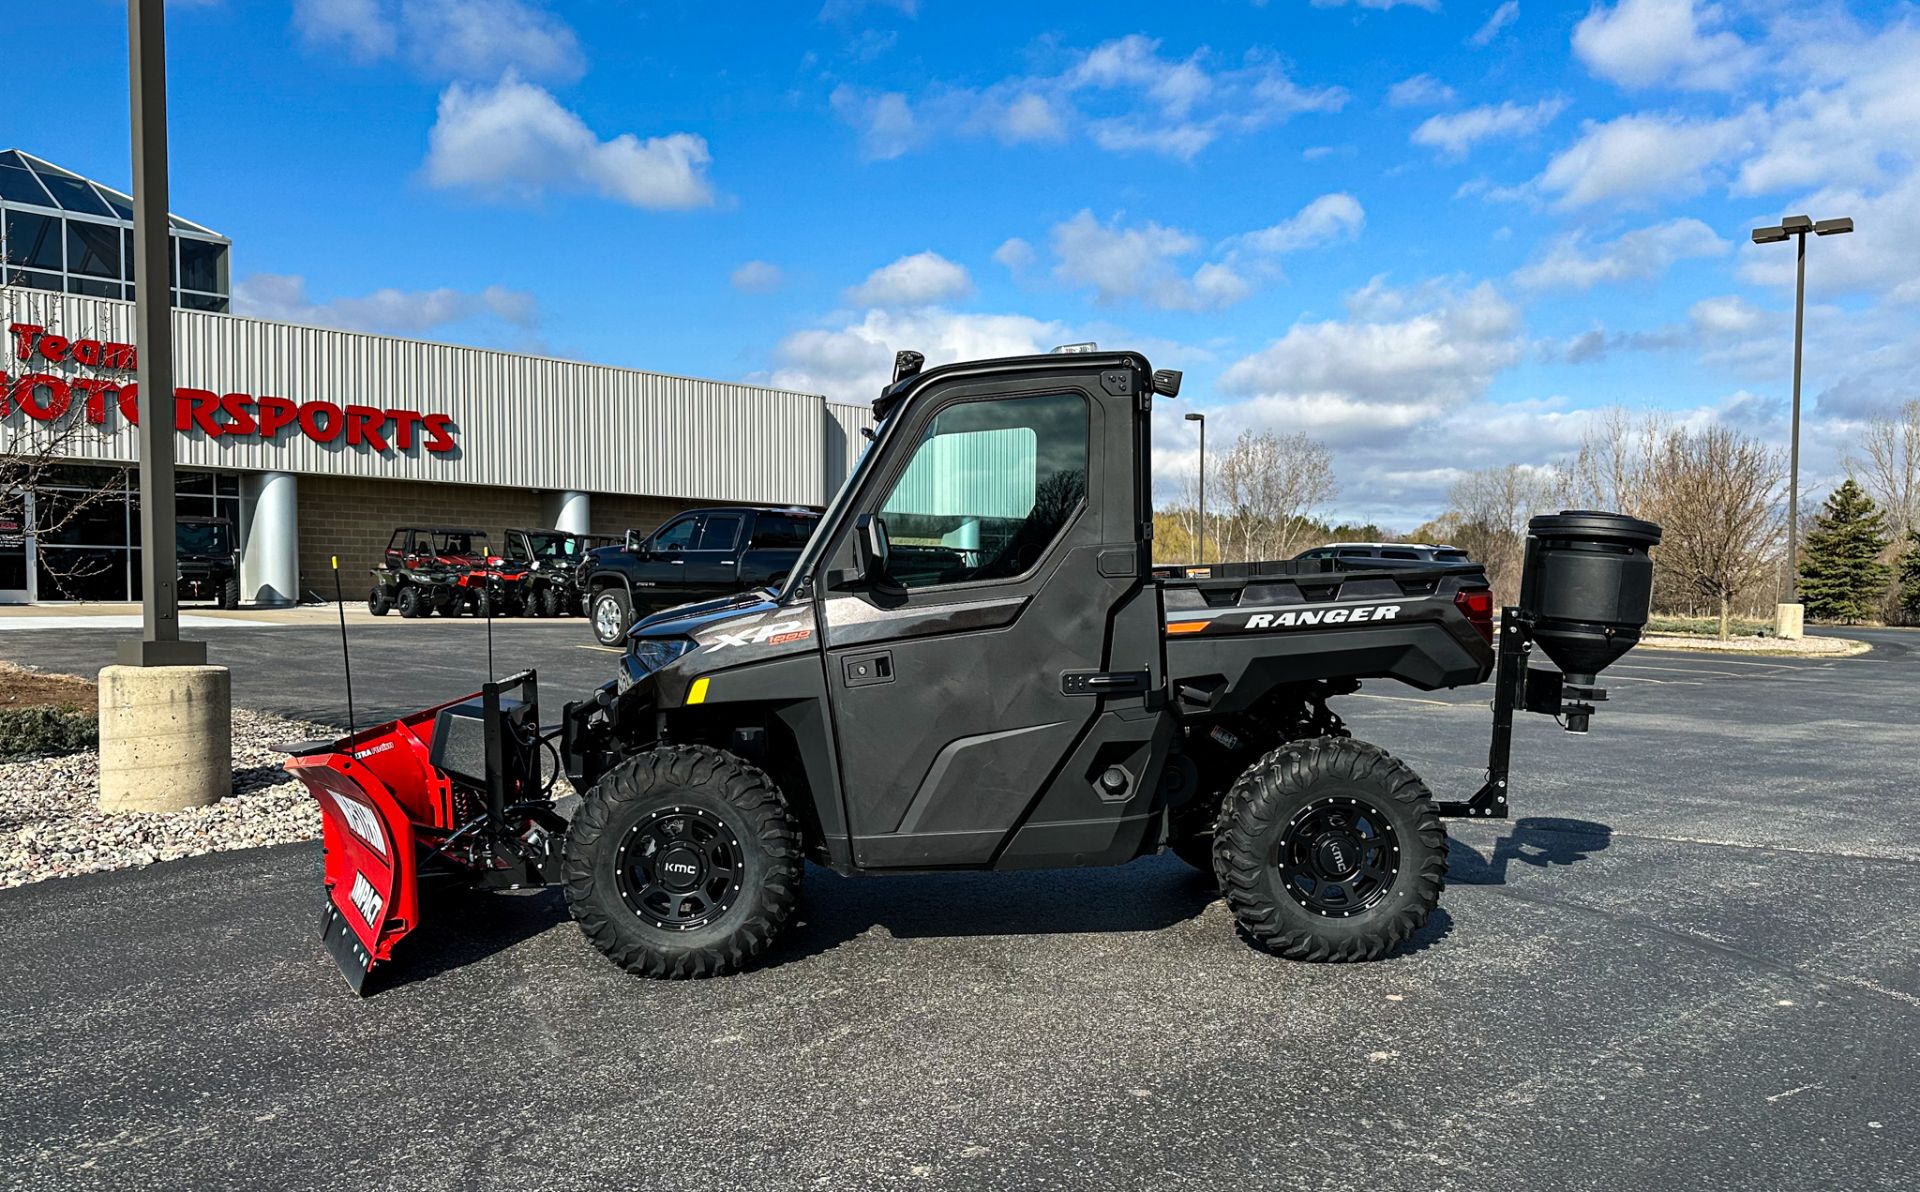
(652,653)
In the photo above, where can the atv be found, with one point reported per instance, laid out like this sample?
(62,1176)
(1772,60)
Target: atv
(974,665)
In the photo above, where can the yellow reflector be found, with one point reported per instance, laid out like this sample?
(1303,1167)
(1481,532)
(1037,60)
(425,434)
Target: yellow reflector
(1186,626)
(336,562)
(697,694)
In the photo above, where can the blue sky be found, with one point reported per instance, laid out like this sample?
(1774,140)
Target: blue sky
(1436,234)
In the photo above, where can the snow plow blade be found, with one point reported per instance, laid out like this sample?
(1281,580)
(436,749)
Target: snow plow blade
(452,792)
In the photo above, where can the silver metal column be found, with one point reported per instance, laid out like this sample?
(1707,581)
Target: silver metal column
(270,538)
(570,511)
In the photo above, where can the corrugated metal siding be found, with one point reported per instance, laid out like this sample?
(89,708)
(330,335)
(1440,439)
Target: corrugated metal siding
(522,421)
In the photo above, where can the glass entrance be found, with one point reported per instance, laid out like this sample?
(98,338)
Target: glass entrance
(13,555)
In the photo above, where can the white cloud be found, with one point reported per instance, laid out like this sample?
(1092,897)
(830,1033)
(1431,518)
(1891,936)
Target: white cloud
(884,121)
(360,29)
(1420,91)
(1428,5)
(1330,217)
(1125,263)
(1646,43)
(283,298)
(922,279)
(1502,16)
(840,10)
(1856,122)
(1453,134)
(451,39)
(1015,254)
(1572,264)
(757,277)
(1124,95)
(515,141)
(1881,256)
(1642,159)
(854,361)
(1403,357)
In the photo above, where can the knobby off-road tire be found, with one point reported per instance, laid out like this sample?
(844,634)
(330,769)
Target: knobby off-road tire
(377,601)
(412,602)
(683,862)
(553,602)
(1330,850)
(230,594)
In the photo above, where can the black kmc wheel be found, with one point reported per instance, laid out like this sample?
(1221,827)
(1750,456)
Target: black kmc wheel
(1330,849)
(682,862)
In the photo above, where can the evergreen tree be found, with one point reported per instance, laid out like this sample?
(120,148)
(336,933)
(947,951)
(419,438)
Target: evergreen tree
(1841,575)
(1910,579)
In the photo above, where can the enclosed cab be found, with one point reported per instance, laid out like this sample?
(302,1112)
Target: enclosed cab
(208,565)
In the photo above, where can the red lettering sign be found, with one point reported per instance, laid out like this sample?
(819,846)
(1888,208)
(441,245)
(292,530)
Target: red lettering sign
(46,396)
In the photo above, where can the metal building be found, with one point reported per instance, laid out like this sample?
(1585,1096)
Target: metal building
(317,442)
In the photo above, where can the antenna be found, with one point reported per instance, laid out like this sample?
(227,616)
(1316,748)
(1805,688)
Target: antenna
(346,659)
(486,602)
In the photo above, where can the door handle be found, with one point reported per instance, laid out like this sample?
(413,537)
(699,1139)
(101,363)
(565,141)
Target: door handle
(867,669)
(678,562)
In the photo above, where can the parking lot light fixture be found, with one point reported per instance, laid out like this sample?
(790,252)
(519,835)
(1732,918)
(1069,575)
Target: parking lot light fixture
(1200,553)
(1796,228)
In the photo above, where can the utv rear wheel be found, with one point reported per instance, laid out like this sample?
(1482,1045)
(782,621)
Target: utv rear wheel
(553,603)
(411,603)
(1330,849)
(378,602)
(612,617)
(682,862)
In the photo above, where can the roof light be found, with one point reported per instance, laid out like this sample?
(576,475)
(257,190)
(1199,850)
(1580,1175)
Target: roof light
(1074,349)
(1833,227)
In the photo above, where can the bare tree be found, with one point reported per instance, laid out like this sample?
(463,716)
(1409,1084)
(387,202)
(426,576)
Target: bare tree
(1716,495)
(1890,468)
(1614,469)
(1268,487)
(39,428)
(1489,516)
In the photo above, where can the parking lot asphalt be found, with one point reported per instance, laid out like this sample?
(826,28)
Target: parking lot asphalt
(1693,961)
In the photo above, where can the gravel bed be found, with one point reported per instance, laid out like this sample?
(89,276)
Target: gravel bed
(51,825)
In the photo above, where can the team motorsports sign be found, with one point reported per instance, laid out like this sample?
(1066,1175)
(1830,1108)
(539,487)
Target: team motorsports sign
(46,397)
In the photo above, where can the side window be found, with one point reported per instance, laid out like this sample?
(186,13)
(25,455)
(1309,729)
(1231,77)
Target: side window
(988,489)
(719,532)
(1356,553)
(677,535)
(1400,554)
(780,531)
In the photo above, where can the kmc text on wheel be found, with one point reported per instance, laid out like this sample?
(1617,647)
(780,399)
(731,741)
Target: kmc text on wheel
(1330,849)
(683,862)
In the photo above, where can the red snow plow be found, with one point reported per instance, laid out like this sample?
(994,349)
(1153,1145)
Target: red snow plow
(452,794)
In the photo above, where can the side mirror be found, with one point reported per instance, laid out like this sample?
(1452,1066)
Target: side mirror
(631,544)
(871,546)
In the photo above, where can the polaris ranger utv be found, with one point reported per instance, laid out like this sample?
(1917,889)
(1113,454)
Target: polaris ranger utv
(208,568)
(973,665)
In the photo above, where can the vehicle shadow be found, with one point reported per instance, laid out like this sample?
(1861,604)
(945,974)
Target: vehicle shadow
(1539,841)
(1149,895)
(460,927)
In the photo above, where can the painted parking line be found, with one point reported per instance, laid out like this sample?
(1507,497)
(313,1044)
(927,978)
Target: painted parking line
(602,649)
(187,621)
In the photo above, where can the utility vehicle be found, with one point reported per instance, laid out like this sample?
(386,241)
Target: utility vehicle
(552,560)
(207,567)
(447,570)
(973,665)
(696,555)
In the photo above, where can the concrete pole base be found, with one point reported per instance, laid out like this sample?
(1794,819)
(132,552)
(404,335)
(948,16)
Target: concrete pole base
(1789,621)
(166,737)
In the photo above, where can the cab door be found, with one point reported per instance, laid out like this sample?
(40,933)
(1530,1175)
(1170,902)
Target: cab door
(660,570)
(949,680)
(713,560)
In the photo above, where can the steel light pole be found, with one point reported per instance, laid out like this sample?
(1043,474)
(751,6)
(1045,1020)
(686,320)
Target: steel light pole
(1200,555)
(1796,227)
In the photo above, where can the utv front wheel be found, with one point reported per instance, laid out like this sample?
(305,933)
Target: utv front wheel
(1330,849)
(682,862)
(230,594)
(411,603)
(377,602)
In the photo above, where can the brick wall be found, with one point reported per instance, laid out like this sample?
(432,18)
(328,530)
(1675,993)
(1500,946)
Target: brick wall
(353,518)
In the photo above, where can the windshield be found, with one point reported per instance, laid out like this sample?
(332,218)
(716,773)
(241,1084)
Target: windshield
(810,558)
(459,542)
(554,546)
(200,539)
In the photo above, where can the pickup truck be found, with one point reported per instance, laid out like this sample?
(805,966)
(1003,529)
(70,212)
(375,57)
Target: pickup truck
(973,665)
(698,555)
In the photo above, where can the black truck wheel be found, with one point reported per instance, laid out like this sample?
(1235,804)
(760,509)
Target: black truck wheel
(682,862)
(378,602)
(612,616)
(411,603)
(1330,849)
